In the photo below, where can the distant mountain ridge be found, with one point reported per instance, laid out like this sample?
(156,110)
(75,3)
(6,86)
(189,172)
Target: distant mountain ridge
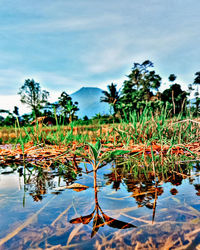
(89,104)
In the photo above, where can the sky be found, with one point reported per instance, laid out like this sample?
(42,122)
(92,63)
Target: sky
(65,45)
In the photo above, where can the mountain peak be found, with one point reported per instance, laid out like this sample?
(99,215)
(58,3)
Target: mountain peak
(89,104)
(87,90)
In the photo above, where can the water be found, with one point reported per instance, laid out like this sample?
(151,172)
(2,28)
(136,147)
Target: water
(117,210)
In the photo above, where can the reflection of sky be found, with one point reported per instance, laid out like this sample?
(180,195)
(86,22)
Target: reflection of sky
(13,182)
(111,202)
(10,182)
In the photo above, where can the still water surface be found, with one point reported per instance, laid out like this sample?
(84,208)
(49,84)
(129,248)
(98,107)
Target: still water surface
(116,210)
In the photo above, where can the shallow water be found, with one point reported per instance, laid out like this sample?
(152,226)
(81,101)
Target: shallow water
(120,210)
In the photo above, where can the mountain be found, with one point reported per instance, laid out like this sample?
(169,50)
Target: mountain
(89,104)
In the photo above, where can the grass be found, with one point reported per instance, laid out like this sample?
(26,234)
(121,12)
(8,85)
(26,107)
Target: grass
(151,141)
(146,128)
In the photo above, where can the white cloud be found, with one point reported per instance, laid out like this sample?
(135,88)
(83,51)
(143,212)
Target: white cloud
(56,83)
(65,45)
(118,49)
(55,24)
(8,102)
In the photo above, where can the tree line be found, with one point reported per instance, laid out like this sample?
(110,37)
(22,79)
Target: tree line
(33,96)
(139,91)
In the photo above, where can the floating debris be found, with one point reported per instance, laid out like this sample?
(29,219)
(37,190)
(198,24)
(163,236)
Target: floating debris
(48,154)
(75,186)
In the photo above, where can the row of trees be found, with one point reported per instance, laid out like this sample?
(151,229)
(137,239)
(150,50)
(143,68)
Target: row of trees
(37,99)
(141,90)
(32,95)
(138,91)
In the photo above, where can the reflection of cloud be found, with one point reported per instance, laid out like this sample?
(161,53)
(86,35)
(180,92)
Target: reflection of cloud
(10,182)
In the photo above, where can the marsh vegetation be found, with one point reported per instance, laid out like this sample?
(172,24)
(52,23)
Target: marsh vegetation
(126,180)
(133,184)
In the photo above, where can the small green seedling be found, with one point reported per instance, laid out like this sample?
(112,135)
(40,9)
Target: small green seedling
(96,158)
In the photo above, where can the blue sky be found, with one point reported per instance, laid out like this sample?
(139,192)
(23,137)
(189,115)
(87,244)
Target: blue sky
(69,44)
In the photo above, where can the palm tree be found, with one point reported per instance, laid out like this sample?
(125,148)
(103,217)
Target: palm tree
(71,108)
(197,82)
(172,78)
(67,105)
(111,96)
(197,79)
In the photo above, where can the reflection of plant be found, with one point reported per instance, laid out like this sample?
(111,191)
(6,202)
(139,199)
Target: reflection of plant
(100,220)
(115,178)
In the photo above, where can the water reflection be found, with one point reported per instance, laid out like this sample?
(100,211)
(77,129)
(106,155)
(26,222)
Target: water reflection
(144,185)
(145,188)
(197,187)
(39,181)
(100,219)
(169,201)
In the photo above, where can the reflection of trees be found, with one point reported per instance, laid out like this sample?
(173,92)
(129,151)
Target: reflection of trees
(176,179)
(143,186)
(41,181)
(38,180)
(115,178)
(197,187)
(100,219)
